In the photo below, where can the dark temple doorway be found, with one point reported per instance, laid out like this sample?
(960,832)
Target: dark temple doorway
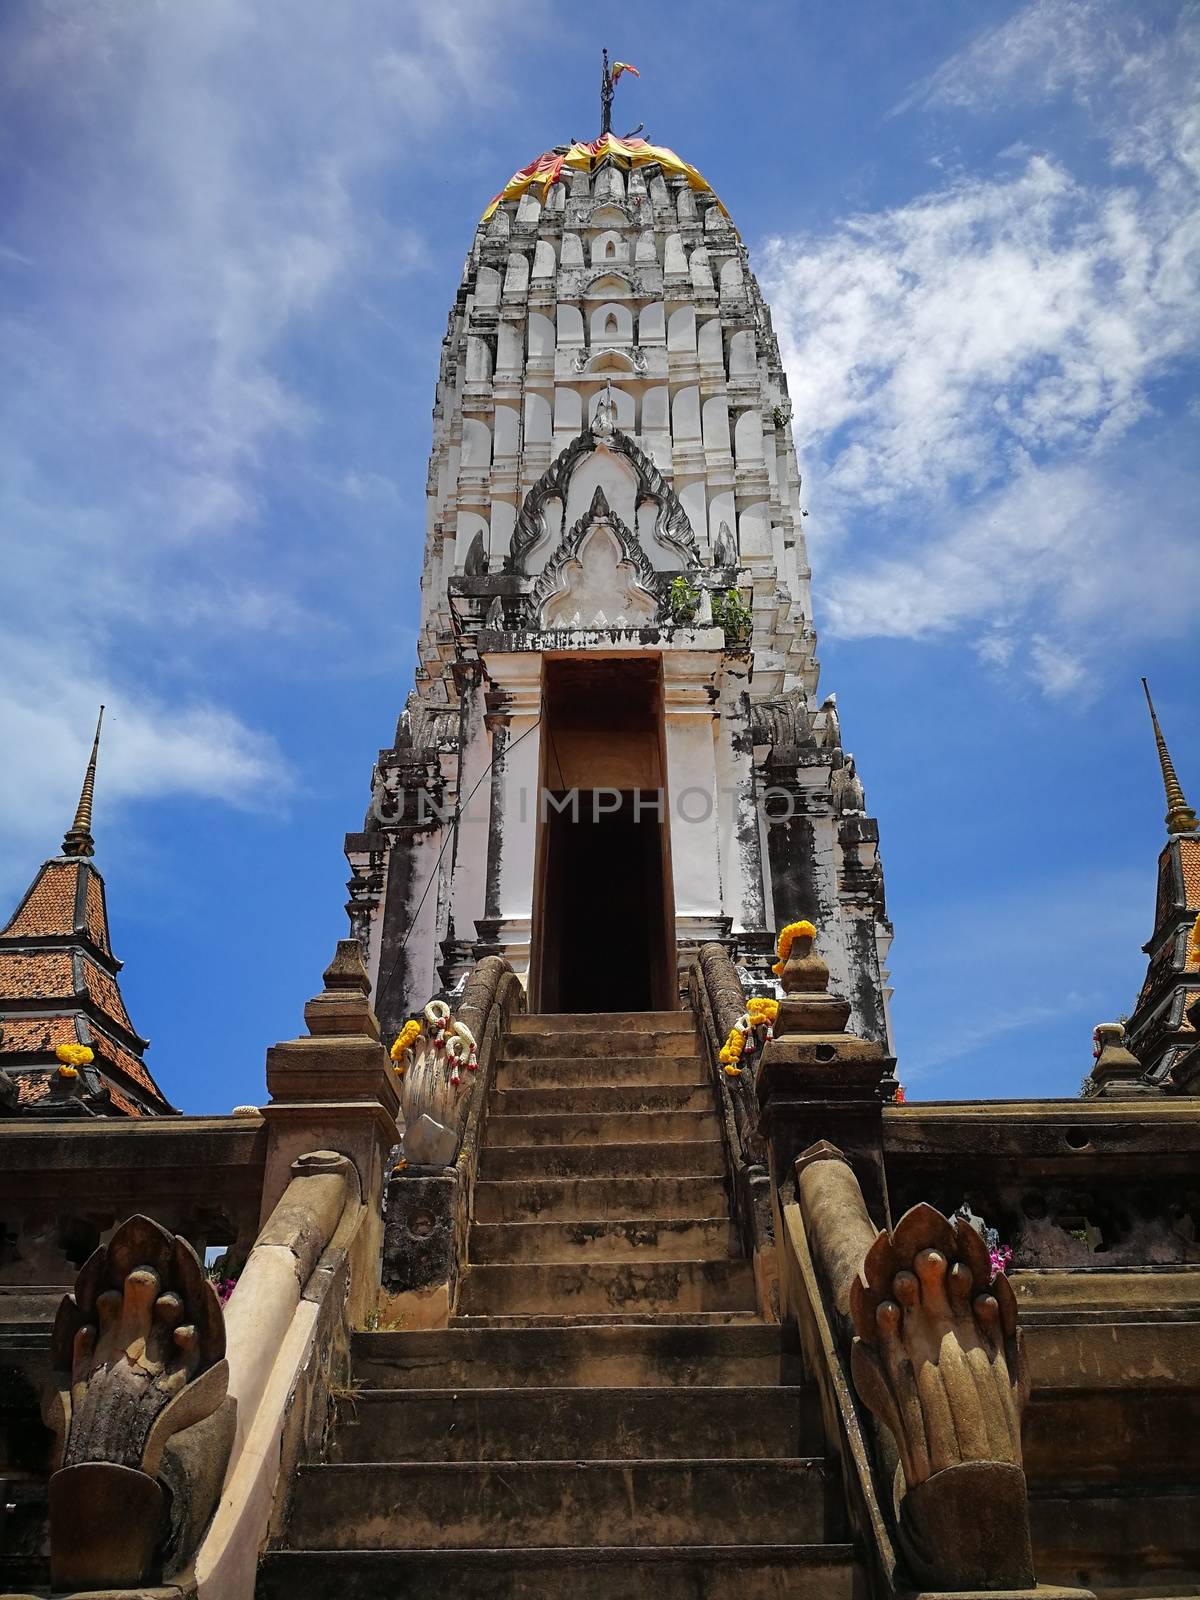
(603,924)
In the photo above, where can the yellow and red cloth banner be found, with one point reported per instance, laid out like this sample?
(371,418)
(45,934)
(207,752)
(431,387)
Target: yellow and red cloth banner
(548,167)
(624,66)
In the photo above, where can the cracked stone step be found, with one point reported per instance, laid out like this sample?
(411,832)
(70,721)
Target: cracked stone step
(627,1356)
(599,1098)
(572,1071)
(615,1199)
(438,1505)
(687,1158)
(660,1238)
(609,1127)
(563,1424)
(702,1572)
(625,1287)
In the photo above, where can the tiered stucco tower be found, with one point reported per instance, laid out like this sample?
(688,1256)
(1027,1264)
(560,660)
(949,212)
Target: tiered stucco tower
(615,600)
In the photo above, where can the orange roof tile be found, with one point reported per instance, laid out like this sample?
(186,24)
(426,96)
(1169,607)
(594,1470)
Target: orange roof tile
(1189,856)
(124,1103)
(23,1035)
(32,1087)
(46,975)
(50,904)
(125,1061)
(104,991)
(97,922)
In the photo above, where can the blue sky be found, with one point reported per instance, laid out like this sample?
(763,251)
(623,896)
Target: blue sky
(230,233)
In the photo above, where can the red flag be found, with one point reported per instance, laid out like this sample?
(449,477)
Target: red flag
(623,66)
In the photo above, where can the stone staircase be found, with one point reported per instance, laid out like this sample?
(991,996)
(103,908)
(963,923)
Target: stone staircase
(607,1411)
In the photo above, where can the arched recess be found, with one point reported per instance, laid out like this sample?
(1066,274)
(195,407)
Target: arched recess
(540,334)
(476,443)
(685,414)
(609,247)
(748,436)
(570,325)
(611,322)
(487,287)
(537,418)
(681,330)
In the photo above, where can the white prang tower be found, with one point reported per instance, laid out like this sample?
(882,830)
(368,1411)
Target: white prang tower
(613,751)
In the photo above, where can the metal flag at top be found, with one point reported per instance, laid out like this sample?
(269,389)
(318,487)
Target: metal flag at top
(608,82)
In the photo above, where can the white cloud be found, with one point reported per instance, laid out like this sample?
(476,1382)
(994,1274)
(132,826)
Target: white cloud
(151,749)
(216,188)
(963,367)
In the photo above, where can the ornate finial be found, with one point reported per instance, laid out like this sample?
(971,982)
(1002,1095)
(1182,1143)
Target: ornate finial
(1180,816)
(78,840)
(606,97)
(608,82)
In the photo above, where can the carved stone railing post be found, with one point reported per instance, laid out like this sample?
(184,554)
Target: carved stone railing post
(938,1358)
(935,1353)
(429,1195)
(335,1090)
(139,1410)
(719,1002)
(817,1081)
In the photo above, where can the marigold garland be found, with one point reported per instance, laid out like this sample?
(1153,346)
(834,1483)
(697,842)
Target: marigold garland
(794,930)
(761,1012)
(404,1040)
(71,1057)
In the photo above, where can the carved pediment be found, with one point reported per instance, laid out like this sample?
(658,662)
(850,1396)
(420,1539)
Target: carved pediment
(672,527)
(599,577)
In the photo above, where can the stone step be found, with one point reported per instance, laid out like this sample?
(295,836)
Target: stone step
(599,1046)
(438,1505)
(599,1099)
(675,1158)
(578,1357)
(572,1071)
(587,1199)
(566,1424)
(702,1572)
(654,1238)
(571,1022)
(1126,1537)
(623,1288)
(600,1319)
(603,1127)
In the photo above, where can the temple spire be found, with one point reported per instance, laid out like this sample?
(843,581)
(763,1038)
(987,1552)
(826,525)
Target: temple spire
(1180,816)
(78,840)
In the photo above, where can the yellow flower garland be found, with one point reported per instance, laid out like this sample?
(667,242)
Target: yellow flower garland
(407,1037)
(794,930)
(761,1012)
(71,1057)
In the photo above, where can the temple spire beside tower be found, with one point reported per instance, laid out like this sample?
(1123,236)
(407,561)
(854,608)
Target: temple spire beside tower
(78,839)
(1180,816)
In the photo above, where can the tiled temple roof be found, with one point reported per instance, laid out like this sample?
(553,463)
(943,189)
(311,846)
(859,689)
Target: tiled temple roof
(1159,1029)
(58,986)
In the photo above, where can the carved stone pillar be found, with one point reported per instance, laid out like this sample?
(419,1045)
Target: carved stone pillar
(816,1081)
(334,1090)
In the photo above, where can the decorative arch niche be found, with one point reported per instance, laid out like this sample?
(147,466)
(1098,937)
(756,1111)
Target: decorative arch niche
(672,527)
(599,576)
